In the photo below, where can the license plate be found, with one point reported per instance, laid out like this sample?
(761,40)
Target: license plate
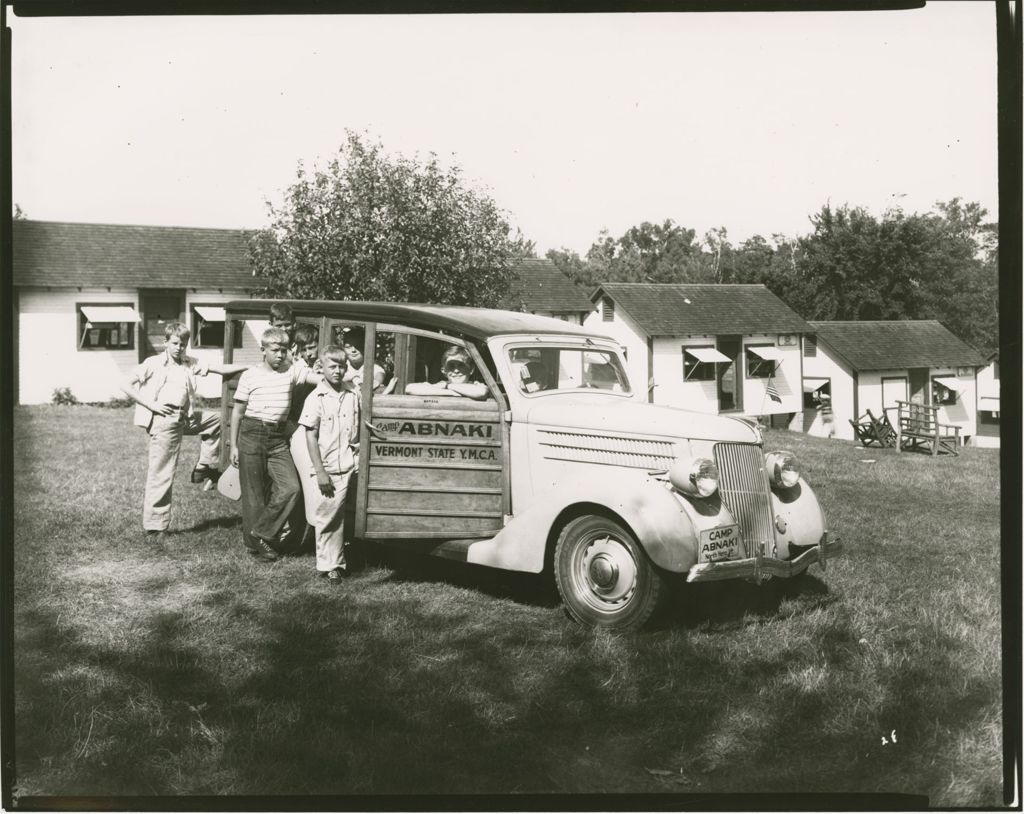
(721,543)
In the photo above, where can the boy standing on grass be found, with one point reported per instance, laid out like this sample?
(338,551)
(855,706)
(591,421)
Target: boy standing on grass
(163,388)
(259,443)
(330,417)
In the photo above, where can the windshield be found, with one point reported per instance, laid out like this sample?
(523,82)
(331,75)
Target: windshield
(544,368)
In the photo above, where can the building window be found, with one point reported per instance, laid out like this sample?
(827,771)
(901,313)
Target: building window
(607,310)
(944,390)
(106,326)
(699,363)
(817,392)
(208,327)
(810,346)
(762,361)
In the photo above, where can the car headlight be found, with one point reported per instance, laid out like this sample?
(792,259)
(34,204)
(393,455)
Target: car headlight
(783,470)
(694,476)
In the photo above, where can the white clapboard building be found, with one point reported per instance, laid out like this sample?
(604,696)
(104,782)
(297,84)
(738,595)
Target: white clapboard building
(728,349)
(871,365)
(91,301)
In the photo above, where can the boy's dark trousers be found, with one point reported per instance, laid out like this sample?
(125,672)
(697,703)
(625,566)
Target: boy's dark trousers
(270,487)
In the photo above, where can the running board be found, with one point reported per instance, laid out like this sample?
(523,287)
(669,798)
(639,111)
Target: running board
(457,550)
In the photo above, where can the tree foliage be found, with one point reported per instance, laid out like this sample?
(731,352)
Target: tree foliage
(938,265)
(648,253)
(852,266)
(377,227)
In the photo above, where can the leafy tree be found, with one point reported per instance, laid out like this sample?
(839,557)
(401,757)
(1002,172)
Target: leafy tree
(939,265)
(648,253)
(375,227)
(572,265)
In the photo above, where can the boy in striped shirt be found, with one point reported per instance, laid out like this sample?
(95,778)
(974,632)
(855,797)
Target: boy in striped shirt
(259,443)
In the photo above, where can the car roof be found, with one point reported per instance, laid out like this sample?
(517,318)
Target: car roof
(476,323)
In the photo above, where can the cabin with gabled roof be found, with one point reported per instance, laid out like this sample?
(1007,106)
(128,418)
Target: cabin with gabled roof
(539,287)
(91,301)
(873,364)
(713,348)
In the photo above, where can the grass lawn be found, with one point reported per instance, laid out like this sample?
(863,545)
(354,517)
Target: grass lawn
(197,670)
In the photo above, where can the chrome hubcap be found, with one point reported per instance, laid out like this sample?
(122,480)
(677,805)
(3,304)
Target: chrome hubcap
(603,571)
(607,572)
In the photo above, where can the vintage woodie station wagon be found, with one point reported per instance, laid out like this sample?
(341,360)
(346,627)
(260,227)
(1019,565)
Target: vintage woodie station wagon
(564,467)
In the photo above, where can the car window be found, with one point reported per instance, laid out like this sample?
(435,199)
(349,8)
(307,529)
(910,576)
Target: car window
(539,369)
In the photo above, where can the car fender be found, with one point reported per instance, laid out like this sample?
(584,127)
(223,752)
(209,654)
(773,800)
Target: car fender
(666,524)
(801,514)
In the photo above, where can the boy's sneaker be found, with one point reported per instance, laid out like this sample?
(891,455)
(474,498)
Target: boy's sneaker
(205,472)
(154,537)
(335,576)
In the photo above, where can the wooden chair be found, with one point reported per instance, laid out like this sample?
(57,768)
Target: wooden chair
(919,428)
(874,431)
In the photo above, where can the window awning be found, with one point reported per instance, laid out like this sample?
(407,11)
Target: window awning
(811,385)
(990,403)
(769,352)
(210,313)
(707,355)
(949,382)
(109,313)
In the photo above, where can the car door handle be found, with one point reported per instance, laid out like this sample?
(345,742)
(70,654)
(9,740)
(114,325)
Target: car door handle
(374,432)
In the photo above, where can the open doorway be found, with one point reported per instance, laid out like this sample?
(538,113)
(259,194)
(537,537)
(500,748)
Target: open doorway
(729,379)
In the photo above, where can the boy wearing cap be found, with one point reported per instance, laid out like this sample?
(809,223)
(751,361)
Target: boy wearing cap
(459,378)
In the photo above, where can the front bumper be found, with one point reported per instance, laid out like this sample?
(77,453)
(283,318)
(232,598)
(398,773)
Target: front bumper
(760,568)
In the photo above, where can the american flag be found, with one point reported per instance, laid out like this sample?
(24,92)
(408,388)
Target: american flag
(773,393)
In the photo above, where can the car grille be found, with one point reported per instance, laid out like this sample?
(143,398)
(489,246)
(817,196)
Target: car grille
(743,484)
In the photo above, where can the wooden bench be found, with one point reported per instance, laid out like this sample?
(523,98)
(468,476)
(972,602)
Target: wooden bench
(918,427)
(871,430)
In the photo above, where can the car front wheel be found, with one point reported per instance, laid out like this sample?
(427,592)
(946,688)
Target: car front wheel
(605,579)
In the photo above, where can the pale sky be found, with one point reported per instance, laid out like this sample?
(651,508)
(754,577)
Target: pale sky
(572,123)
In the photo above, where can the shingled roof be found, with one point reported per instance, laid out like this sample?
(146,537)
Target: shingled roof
(678,309)
(542,287)
(50,253)
(897,344)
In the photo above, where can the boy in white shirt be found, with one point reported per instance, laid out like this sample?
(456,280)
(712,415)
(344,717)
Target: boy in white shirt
(330,417)
(164,390)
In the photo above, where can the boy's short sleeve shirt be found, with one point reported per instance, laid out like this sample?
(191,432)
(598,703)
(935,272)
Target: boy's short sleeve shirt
(335,417)
(151,375)
(267,393)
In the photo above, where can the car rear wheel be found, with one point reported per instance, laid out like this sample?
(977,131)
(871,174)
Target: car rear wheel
(605,579)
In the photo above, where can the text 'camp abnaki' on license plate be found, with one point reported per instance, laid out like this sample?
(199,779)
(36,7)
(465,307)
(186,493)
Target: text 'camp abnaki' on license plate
(721,543)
